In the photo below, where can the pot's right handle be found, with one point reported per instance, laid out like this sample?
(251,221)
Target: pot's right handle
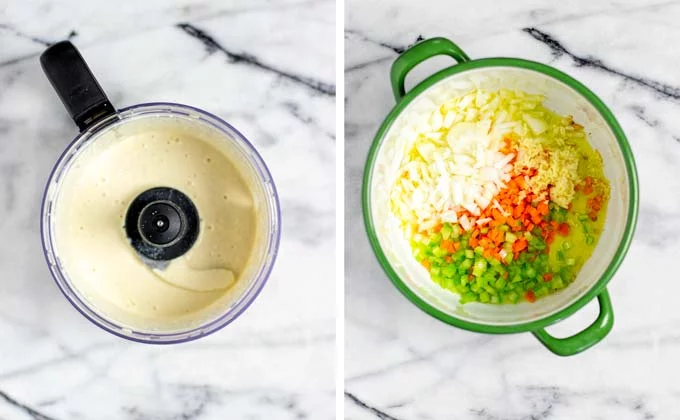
(585,339)
(75,84)
(416,55)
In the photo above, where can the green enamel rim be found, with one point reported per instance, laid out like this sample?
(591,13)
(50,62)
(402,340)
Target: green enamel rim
(631,220)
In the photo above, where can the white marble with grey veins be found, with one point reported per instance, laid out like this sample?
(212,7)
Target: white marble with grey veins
(402,364)
(267,67)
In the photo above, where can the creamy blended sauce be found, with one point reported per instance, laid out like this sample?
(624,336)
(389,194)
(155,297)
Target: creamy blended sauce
(90,214)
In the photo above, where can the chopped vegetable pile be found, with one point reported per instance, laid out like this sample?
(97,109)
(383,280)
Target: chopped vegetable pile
(503,200)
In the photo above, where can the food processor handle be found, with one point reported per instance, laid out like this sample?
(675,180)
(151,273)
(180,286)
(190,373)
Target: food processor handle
(75,84)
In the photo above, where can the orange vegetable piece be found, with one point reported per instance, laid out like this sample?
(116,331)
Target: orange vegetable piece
(563,229)
(530,296)
(447,246)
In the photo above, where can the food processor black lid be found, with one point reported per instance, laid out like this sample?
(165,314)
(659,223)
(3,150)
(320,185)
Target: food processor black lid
(162,223)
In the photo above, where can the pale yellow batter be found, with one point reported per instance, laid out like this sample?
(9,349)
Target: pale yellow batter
(90,213)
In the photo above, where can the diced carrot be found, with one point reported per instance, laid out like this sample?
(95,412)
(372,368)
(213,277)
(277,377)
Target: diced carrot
(530,296)
(519,245)
(563,229)
(437,228)
(550,238)
(543,208)
(447,246)
(547,276)
(587,190)
(588,180)
(448,259)
(473,242)
(425,263)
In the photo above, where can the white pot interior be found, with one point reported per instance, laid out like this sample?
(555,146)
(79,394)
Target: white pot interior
(560,98)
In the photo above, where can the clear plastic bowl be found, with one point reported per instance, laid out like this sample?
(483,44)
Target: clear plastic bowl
(265,258)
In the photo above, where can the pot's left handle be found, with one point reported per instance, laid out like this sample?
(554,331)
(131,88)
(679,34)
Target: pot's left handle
(75,84)
(416,55)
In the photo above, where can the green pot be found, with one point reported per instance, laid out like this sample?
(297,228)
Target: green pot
(564,95)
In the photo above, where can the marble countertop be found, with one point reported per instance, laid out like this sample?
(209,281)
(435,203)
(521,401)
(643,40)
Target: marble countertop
(400,363)
(269,69)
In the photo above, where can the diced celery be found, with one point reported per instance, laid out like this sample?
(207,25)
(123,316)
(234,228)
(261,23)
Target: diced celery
(466,264)
(484,297)
(469,253)
(510,237)
(479,250)
(448,271)
(570,261)
(435,271)
(504,228)
(446,231)
(490,290)
(529,272)
(494,299)
(484,230)
(455,231)
(566,245)
(557,282)
(509,257)
(494,262)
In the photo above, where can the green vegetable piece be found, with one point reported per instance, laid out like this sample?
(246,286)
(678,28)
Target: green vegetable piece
(529,272)
(446,231)
(469,253)
(484,297)
(448,271)
(468,297)
(466,264)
